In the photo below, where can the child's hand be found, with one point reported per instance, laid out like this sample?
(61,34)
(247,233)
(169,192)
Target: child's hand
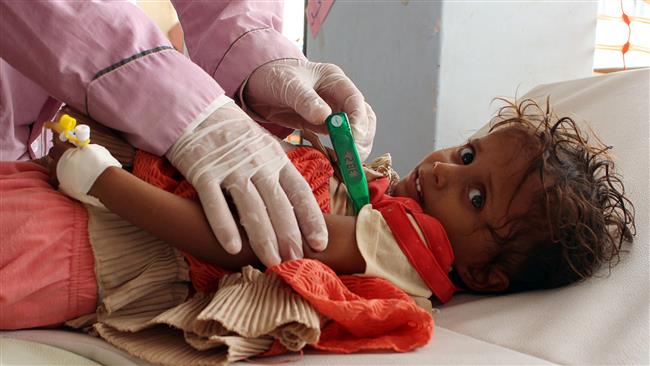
(75,169)
(54,155)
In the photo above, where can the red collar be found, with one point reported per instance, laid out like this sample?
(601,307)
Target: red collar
(432,260)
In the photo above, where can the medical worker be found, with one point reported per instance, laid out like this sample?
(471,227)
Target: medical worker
(109,61)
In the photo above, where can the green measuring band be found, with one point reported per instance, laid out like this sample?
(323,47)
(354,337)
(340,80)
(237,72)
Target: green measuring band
(348,160)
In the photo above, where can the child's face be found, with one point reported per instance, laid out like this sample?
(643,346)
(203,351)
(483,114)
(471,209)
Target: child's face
(470,188)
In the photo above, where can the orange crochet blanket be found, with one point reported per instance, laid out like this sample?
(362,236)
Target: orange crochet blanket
(364,313)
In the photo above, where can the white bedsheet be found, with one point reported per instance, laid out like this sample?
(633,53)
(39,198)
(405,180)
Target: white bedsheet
(605,320)
(449,347)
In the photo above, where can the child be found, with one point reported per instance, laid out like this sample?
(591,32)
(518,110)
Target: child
(530,205)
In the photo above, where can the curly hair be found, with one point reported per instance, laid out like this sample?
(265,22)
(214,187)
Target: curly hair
(581,217)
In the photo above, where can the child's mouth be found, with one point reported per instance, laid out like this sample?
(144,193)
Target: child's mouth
(418,187)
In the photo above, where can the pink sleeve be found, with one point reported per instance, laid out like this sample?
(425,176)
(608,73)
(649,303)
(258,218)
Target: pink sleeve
(110,61)
(230,39)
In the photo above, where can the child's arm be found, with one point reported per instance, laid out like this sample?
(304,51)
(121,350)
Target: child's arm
(181,222)
(171,218)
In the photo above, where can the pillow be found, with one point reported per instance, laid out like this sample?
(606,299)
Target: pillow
(604,319)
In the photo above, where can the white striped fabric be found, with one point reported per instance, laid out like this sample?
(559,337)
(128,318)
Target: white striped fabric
(144,309)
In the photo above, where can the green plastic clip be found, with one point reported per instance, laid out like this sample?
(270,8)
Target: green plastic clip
(348,160)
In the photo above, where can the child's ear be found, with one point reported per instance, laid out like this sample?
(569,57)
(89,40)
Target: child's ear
(484,278)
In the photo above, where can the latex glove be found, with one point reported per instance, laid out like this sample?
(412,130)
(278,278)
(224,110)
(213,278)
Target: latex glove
(230,151)
(301,94)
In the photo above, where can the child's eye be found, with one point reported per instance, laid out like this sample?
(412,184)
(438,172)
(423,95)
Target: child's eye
(467,155)
(476,198)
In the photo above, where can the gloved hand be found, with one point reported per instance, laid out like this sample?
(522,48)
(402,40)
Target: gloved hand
(230,151)
(301,94)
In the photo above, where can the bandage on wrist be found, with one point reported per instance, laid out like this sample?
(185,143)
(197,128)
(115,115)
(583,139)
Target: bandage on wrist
(79,168)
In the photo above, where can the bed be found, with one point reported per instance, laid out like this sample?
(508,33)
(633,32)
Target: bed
(602,321)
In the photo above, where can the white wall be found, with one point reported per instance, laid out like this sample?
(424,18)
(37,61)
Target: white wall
(430,68)
(390,51)
(505,49)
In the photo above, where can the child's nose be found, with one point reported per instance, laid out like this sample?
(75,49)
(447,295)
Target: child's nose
(440,174)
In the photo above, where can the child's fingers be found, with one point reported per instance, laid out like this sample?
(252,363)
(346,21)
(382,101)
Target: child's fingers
(58,148)
(54,180)
(56,151)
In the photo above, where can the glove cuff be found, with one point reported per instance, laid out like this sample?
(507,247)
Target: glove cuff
(78,169)
(173,151)
(242,98)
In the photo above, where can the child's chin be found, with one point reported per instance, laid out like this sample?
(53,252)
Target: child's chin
(399,190)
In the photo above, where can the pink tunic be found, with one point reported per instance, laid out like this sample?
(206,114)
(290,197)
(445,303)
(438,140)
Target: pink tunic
(108,60)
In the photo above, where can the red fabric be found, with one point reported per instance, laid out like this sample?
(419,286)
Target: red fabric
(364,313)
(160,173)
(317,170)
(433,259)
(204,276)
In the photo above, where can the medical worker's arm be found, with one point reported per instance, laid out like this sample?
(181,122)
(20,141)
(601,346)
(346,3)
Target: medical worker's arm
(240,43)
(108,60)
(230,39)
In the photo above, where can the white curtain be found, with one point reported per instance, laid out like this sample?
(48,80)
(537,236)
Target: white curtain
(622,35)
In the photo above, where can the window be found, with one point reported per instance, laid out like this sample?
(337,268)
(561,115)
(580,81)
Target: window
(622,35)
(293,26)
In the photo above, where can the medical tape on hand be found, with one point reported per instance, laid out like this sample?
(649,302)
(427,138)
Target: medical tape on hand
(79,168)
